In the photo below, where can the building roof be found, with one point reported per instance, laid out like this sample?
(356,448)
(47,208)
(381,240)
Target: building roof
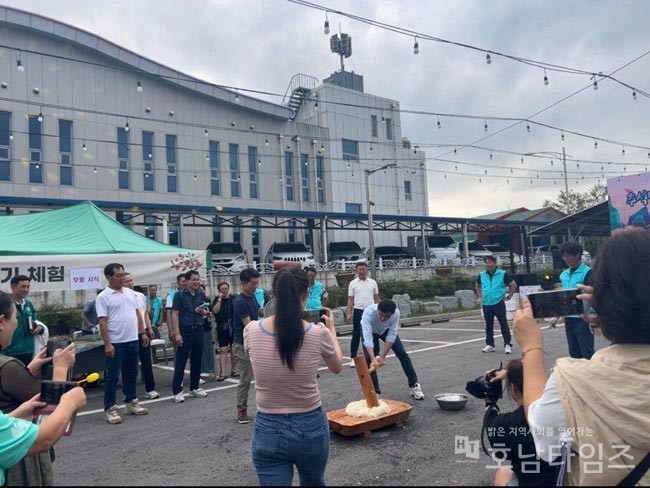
(45,25)
(592,221)
(544,214)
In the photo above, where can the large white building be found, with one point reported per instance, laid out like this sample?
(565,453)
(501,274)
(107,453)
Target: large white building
(84,119)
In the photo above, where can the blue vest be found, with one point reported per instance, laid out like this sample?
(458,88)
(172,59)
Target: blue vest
(314,298)
(493,287)
(571,279)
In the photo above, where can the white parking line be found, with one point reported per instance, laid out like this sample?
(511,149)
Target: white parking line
(411,329)
(426,342)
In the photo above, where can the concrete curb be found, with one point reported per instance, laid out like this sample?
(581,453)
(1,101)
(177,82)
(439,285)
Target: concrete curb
(346,329)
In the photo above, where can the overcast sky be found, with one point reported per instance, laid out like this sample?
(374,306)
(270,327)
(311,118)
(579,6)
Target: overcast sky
(260,44)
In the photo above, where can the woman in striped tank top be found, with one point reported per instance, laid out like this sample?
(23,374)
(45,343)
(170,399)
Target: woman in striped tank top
(291,427)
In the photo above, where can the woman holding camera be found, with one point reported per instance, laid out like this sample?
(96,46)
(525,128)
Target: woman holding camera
(222,310)
(509,432)
(597,413)
(24,447)
(291,427)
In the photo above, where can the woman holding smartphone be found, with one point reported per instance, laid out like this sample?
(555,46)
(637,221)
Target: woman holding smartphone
(291,427)
(222,310)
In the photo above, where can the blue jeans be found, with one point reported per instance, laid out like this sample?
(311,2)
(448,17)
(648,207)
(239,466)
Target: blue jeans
(192,348)
(126,360)
(281,442)
(579,337)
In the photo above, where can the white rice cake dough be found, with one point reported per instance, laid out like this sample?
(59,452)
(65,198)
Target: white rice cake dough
(360,409)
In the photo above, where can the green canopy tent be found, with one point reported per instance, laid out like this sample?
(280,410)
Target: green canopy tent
(67,249)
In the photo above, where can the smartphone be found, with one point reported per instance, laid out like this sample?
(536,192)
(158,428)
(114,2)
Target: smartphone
(54,344)
(556,303)
(314,315)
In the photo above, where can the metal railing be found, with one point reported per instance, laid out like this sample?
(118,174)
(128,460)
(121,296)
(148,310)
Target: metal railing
(299,80)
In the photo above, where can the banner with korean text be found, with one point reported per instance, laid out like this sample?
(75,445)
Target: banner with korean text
(629,197)
(85,271)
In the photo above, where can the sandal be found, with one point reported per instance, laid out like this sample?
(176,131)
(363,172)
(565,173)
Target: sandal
(221,378)
(234,374)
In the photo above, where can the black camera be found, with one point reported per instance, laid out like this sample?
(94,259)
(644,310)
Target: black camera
(482,388)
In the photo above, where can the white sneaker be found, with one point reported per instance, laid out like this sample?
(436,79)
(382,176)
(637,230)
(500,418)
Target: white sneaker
(179,397)
(151,395)
(352,365)
(198,393)
(488,349)
(416,392)
(134,408)
(508,349)
(201,381)
(112,417)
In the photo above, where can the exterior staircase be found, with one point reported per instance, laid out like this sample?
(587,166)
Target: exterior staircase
(298,89)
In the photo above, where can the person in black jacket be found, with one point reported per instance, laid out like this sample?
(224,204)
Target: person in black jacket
(222,310)
(510,437)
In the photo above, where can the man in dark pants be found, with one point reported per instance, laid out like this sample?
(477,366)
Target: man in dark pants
(491,286)
(188,313)
(579,334)
(362,292)
(380,321)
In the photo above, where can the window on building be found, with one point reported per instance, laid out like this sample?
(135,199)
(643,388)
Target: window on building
(389,129)
(216,230)
(288,174)
(233,152)
(320,182)
(252,170)
(256,233)
(350,150)
(172,166)
(122,158)
(35,150)
(373,125)
(213,156)
(150,223)
(147,158)
(65,151)
(174,229)
(407,190)
(5,146)
(353,208)
(304,176)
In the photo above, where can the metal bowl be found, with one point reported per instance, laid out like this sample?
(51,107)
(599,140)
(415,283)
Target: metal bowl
(451,401)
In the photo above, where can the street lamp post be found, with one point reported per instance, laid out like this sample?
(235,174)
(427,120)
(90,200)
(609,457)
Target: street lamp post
(370,203)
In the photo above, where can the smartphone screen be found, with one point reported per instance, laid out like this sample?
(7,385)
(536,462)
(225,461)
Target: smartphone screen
(556,303)
(311,316)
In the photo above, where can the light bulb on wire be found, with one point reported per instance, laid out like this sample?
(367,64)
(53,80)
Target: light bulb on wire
(485,127)
(595,85)
(633,95)
(237,100)
(528,128)
(126,127)
(11,138)
(545,78)
(84,147)
(19,66)
(595,144)
(266,141)
(206,133)
(138,87)
(439,124)
(326,26)
(562,136)
(40,116)
(488,58)
(416,46)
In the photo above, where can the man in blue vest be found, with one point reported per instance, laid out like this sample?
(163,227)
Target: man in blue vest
(492,285)
(579,335)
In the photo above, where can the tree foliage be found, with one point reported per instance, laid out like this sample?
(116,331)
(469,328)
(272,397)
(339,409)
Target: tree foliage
(579,200)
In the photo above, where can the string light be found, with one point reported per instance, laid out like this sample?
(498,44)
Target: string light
(522,160)
(206,133)
(84,147)
(488,58)
(416,46)
(40,116)
(11,138)
(19,66)
(150,156)
(439,124)
(562,136)
(383,119)
(38,165)
(623,151)
(95,170)
(194,176)
(259,162)
(551,162)
(595,144)
(316,105)
(126,127)
(490,155)
(527,127)
(545,77)
(138,87)
(485,127)
(326,26)
(237,98)
(146,174)
(455,152)
(595,85)
(633,94)
(266,141)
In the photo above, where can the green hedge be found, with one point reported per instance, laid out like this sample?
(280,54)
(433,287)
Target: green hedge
(59,320)
(426,289)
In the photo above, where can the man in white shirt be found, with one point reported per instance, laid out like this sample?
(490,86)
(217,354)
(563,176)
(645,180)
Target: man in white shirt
(122,329)
(381,321)
(362,292)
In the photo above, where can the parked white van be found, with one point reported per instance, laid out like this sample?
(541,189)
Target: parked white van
(438,247)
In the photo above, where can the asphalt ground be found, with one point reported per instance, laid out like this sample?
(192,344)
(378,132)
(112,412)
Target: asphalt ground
(199,442)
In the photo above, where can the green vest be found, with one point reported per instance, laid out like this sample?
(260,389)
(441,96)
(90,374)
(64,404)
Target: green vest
(493,287)
(570,278)
(22,342)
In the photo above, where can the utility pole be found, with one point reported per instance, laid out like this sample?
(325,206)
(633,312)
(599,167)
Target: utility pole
(369,202)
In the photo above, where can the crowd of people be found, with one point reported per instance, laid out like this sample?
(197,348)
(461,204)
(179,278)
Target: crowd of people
(281,346)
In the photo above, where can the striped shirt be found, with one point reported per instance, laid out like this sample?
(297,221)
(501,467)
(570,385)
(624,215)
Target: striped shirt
(278,389)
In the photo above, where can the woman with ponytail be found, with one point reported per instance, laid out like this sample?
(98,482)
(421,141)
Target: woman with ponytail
(291,427)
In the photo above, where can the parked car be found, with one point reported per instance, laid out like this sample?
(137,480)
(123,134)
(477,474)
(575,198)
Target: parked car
(474,249)
(229,255)
(502,253)
(348,250)
(393,253)
(290,251)
(438,247)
